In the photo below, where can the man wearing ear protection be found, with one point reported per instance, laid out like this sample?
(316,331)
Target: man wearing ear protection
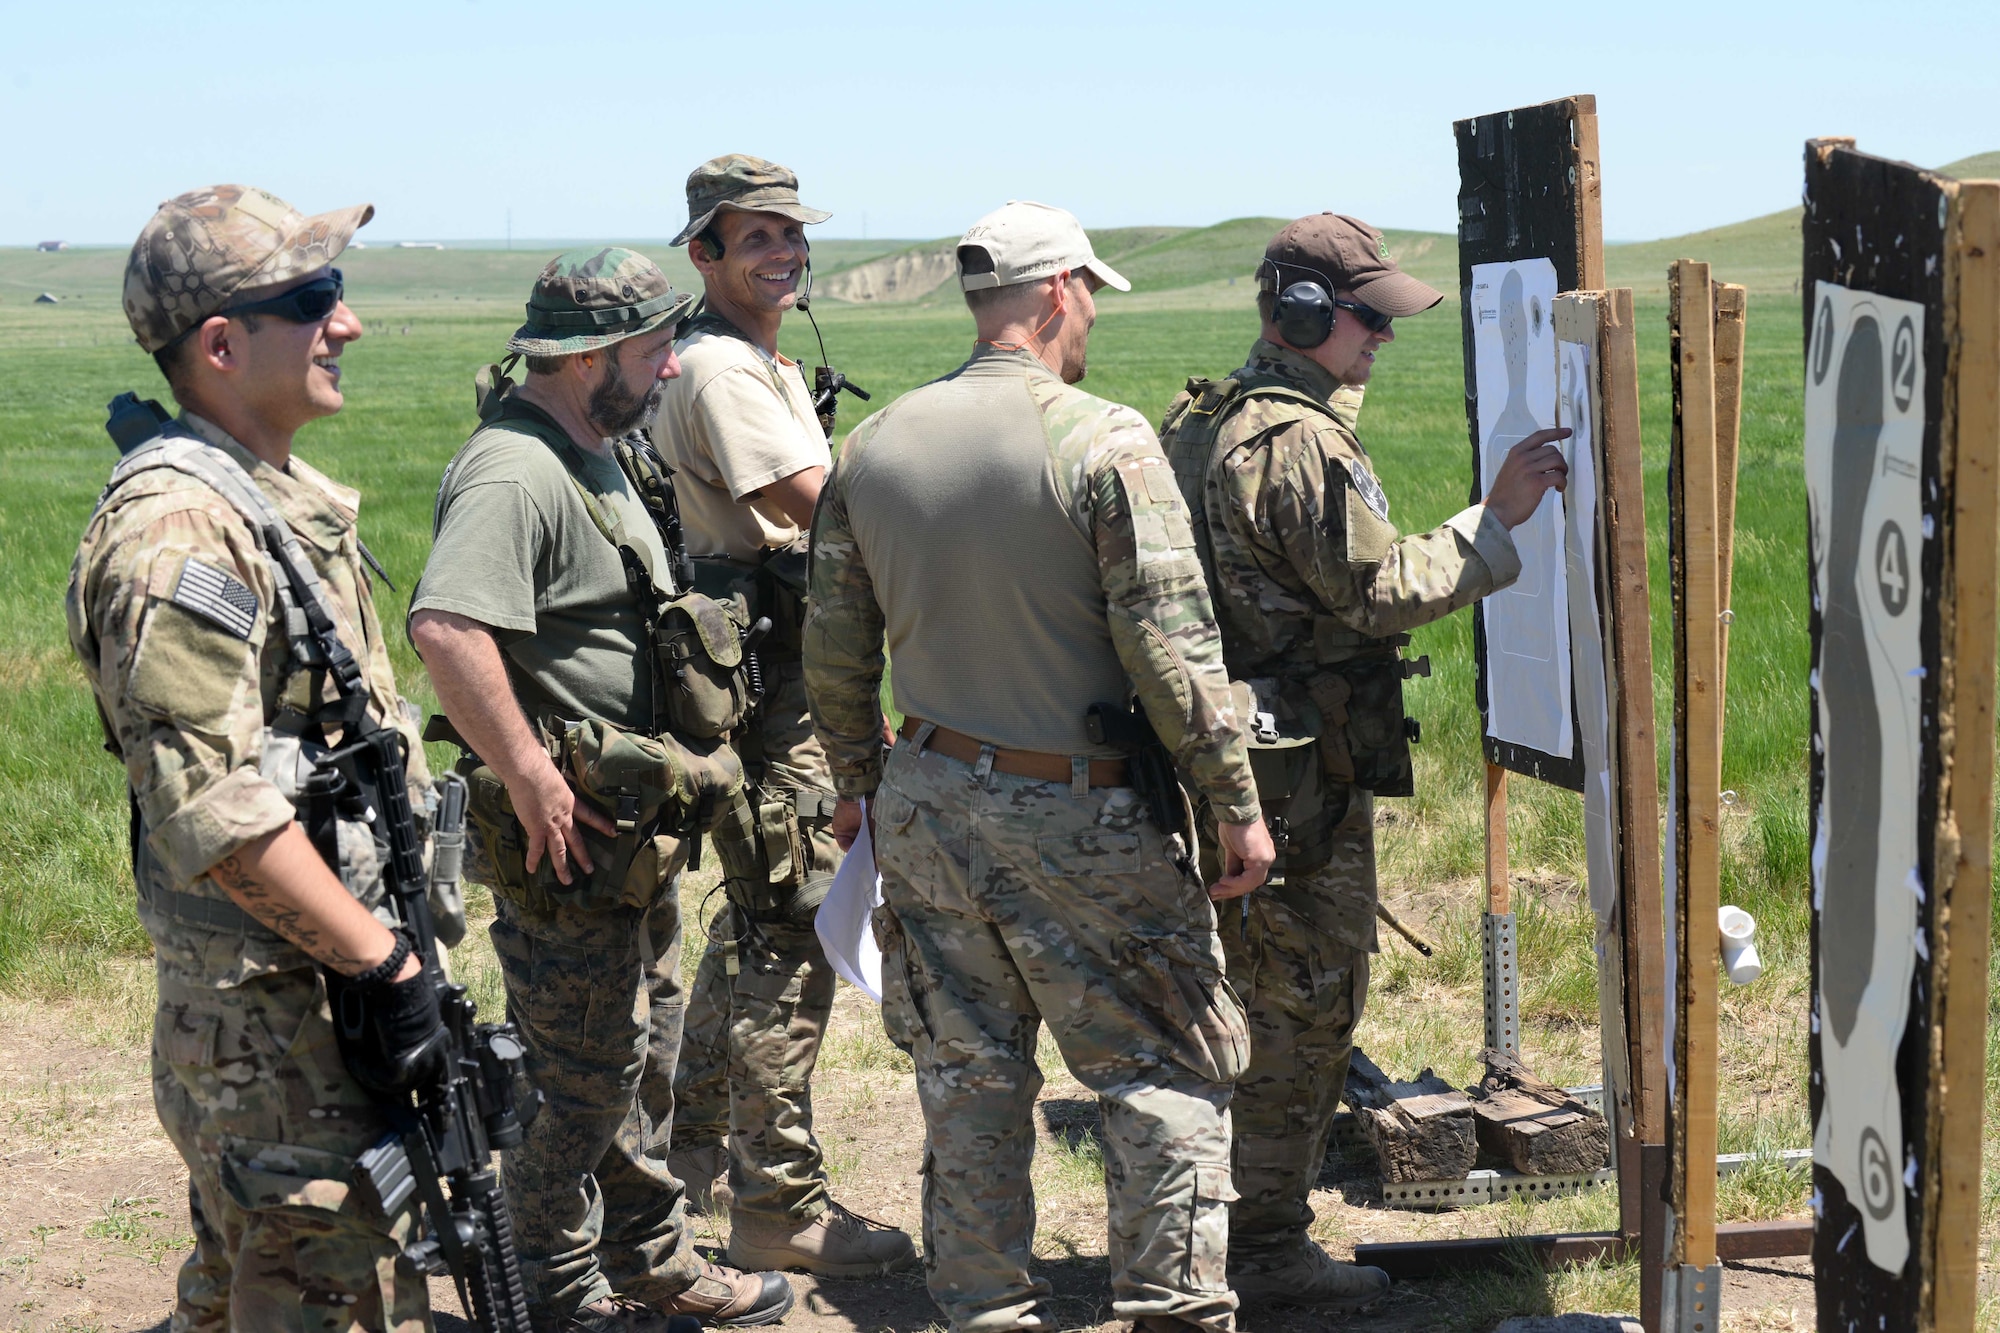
(1316,592)
(742,435)
(590,689)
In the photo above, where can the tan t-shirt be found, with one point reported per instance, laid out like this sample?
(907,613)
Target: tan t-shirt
(735,421)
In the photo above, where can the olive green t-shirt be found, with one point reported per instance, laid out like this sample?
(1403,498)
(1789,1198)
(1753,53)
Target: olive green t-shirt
(516,550)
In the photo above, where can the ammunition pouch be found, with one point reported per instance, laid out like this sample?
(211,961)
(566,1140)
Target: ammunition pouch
(704,682)
(1367,733)
(658,790)
(764,839)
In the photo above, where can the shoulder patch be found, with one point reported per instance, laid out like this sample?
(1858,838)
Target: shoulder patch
(1369,489)
(217,596)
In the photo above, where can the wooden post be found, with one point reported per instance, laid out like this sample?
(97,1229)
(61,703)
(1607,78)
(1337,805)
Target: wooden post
(1642,1155)
(1692,501)
(1973,273)
(1499,901)
(1731,309)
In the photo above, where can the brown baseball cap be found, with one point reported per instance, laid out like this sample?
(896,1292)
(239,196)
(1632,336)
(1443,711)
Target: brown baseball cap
(747,184)
(203,247)
(1347,255)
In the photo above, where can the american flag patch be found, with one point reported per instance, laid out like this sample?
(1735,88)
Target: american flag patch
(216,596)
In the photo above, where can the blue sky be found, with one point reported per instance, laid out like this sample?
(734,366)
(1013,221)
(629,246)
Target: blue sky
(911,120)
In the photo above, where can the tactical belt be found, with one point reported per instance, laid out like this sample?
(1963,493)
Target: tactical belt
(1036,764)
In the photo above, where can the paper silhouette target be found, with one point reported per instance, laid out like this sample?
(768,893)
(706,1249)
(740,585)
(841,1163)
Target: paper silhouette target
(1527,632)
(1864,438)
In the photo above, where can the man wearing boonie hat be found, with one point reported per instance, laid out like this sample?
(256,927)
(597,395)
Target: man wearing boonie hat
(748,451)
(1316,592)
(178,614)
(534,632)
(1020,550)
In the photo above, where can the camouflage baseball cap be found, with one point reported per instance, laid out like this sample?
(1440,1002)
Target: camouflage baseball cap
(1348,255)
(203,247)
(586,299)
(747,184)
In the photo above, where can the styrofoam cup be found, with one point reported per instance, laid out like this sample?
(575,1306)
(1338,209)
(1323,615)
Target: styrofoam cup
(1739,945)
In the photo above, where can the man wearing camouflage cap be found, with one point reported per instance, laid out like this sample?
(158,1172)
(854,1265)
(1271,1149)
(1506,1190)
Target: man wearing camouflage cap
(1020,549)
(534,617)
(739,429)
(1316,593)
(177,610)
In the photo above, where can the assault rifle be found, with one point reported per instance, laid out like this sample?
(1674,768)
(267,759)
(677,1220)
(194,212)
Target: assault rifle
(448,1129)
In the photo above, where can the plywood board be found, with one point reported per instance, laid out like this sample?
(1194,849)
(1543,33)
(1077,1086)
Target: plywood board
(1528,225)
(1900,449)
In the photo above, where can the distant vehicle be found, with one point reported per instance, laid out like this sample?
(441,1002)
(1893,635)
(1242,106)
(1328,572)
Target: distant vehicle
(420,245)
(52,245)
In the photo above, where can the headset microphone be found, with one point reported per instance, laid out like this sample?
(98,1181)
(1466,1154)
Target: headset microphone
(827,382)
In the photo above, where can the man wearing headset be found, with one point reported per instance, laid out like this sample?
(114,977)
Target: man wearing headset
(1315,592)
(749,454)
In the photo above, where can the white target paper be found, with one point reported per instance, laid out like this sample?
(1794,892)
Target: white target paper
(1864,465)
(1578,408)
(1527,625)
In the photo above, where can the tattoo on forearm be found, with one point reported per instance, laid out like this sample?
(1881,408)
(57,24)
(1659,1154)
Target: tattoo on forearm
(235,878)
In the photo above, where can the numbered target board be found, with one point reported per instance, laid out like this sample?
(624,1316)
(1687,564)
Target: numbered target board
(1899,482)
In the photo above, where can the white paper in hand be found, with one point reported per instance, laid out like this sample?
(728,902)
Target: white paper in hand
(846,922)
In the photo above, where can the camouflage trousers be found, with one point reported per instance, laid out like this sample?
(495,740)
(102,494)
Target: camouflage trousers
(597,994)
(251,1089)
(763,993)
(1298,955)
(1010,902)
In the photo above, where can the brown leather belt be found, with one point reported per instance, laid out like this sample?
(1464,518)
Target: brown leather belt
(1035,764)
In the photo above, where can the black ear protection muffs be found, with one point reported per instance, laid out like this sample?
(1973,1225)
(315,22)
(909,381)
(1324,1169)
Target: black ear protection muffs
(1305,314)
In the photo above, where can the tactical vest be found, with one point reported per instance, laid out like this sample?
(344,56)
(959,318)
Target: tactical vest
(292,742)
(1349,697)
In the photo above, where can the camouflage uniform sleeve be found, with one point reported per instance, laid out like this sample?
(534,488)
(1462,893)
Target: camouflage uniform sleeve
(1162,623)
(1367,576)
(179,688)
(843,640)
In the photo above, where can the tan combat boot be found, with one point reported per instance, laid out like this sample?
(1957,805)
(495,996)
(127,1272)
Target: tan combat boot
(1310,1276)
(837,1243)
(722,1297)
(704,1171)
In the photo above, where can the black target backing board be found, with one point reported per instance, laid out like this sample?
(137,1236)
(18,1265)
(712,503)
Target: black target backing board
(1528,191)
(1876,365)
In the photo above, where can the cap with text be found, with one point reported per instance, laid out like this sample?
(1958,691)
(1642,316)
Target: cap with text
(203,247)
(746,184)
(1027,242)
(1347,255)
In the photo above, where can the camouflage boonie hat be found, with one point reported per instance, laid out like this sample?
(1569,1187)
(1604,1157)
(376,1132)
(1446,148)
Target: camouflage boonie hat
(587,299)
(746,184)
(203,247)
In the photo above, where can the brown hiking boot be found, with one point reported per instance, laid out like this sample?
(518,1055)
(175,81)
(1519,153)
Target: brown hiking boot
(723,1297)
(1309,1276)
(837,1243)
(704,1171)
(616,1314)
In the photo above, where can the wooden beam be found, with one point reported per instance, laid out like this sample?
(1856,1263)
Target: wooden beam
(1698,773)
(1735,1242)
(1499,899)
(1973,566)
(1589,198)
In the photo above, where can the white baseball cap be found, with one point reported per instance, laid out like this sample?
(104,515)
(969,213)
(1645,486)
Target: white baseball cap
(1028,242)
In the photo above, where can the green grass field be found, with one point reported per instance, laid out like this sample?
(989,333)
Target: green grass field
(434,317)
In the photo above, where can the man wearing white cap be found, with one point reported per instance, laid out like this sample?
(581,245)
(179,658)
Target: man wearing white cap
(1021,549)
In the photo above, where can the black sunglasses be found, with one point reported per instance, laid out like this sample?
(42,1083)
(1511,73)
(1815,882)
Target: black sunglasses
(1371,318)
(307,303)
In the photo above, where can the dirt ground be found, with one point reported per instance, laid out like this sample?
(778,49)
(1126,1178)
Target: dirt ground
(93,1223)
